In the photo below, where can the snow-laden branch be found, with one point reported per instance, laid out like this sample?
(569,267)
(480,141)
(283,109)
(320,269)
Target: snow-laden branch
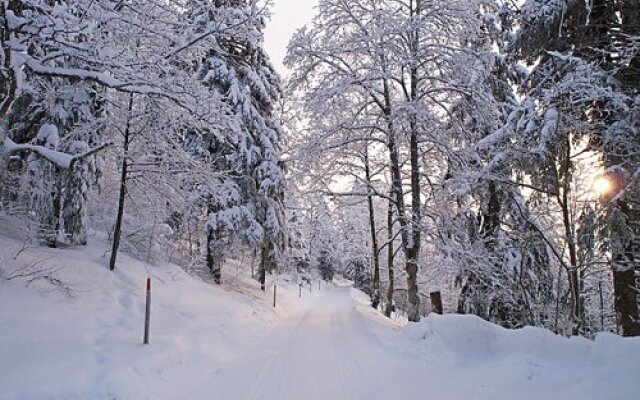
(58,158)
(104,79)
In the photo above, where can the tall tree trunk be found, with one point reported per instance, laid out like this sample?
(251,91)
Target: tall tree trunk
(413,248)
(613,26)
(624,279)
(8,81)
(73,206)
(626,301)
(630,29)
(47,207)
(407,232)
(625,261)
(390,256)
(117,231)
(413,313)
(264,259)
(214,256)
(375,296)
(474,289)
(8,95)
(564,190)
(213,261)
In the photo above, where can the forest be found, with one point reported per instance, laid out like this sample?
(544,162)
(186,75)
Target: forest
(488,150)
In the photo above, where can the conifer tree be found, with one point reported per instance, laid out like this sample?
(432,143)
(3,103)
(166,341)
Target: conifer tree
(237,66)
(577,50)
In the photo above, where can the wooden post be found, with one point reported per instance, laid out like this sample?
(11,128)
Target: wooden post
(300,290)
(275,290)
(147,314)
(436,302)
(319,284)
(309,286)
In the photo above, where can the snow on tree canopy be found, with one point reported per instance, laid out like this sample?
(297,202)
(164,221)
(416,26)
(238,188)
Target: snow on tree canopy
(48,136)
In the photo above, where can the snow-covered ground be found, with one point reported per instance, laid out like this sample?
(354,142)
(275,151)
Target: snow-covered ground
(229,343)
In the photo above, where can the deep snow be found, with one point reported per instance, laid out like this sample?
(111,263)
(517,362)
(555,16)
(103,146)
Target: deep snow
(228,342)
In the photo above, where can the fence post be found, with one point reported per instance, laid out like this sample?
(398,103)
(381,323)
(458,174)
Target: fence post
(319,284)
(436,302)
(275,290)
(300,290)
(147,313)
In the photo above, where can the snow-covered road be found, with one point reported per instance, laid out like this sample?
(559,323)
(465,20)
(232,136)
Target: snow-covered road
(340,348)
(229,343)
(328,352)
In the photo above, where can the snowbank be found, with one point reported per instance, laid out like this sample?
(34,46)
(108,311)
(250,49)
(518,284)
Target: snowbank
(464,357)
(535,362)
(219,342)
(88,345)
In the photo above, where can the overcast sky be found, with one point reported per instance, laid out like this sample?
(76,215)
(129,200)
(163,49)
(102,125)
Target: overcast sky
(288,16)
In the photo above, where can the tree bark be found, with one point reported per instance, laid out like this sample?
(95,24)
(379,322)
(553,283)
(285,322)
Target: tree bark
(9,85)
(214,258)
(117,231)
(389,306)
(407,233)
(625,262)
(436,302)
(262,272)
(624,281)
(375,295)
(629,75)
(413,250)
(626,301)
(577,312)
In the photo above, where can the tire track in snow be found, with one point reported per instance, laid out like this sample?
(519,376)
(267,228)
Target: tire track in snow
(325,354)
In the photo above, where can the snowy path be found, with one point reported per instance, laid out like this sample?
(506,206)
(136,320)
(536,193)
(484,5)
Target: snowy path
(341,349)
(327,353)
(228,343)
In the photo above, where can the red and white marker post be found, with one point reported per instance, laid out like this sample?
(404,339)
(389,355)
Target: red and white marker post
(275,290)
(147,314)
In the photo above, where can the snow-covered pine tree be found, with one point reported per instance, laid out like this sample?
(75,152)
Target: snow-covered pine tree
(324,243)
(43,187)
(75,64)
(60,113)
(236,65)
(576,50)
(621,147)
(510,284)
(298,246)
